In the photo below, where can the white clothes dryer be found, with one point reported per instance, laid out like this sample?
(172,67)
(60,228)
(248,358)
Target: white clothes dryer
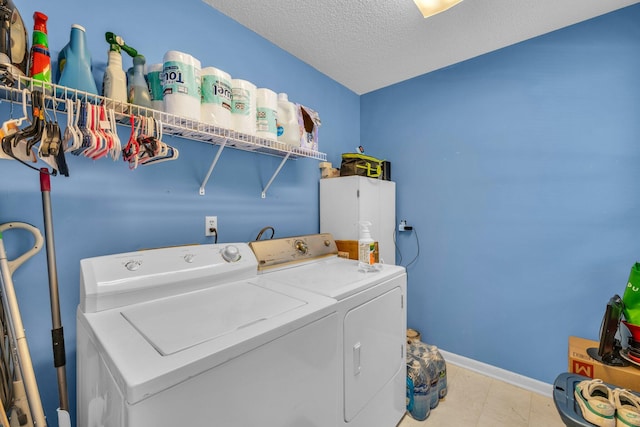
(190,336)
(371,335)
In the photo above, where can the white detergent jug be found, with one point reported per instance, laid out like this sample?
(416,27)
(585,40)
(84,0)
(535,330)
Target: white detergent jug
(288,127)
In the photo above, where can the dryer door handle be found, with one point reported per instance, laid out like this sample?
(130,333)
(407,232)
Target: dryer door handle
(356,359)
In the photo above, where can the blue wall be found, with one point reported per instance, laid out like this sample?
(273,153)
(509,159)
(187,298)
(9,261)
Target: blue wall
(106,208)
(519,170)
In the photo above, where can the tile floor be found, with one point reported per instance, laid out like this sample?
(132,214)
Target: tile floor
(475,400)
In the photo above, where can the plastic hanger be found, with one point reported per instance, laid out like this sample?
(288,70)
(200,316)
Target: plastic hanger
(131,150)
(117,147)
(12,126)
(95,138)
(71,140)
(85,122)
(19,145)
(104,140)
(34,131)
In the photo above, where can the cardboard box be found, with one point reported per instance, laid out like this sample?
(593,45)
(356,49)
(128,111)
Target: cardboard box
(582,364)
(350,249)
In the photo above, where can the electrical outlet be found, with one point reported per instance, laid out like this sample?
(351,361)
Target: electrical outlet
(210,225)
(404,227)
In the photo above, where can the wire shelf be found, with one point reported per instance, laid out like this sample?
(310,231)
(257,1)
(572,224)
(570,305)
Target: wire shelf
(13,89)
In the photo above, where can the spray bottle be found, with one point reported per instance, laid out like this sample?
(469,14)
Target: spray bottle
(366,248)
(115,79)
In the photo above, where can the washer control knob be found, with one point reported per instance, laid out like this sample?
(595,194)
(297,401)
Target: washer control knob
(133,265)
(189,258)
(327,243)
(301,247)
(230,253)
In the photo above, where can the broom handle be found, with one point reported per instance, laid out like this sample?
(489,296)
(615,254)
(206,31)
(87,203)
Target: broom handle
(25,365)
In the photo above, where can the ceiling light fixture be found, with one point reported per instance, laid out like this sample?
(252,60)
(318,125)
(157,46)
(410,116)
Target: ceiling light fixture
(432,7)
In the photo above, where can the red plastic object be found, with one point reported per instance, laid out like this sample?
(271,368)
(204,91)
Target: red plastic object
(634,329)
(45,181)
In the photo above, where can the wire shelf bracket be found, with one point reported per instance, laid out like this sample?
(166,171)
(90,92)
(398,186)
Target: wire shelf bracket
(264,190)
(213,165)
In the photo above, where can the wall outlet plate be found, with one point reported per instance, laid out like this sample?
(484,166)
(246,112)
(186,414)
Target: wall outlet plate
(210,225)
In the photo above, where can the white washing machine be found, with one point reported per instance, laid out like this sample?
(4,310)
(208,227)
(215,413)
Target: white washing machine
(190,336)
(371,334)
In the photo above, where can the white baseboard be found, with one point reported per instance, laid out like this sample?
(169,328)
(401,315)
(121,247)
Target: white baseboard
(499,374)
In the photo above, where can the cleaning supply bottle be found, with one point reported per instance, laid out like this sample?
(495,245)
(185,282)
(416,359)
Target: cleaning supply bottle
(76,63)
(366,248)
(114,83)
(139,91)
(115,80)
(39,57)
(288,128)
(62,55)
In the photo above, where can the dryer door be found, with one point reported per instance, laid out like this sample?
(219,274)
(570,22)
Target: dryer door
(373,349)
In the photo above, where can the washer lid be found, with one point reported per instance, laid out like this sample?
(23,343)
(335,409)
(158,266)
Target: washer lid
(151,346)
(174,324)
(334,277)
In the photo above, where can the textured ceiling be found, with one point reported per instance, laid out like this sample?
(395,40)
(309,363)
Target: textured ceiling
(369,44)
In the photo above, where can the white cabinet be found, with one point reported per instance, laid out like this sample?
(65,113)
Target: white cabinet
(348,200)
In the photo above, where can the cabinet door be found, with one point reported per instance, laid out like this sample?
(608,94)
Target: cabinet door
(347,200)
(373,349)
(377,204)
(339,207)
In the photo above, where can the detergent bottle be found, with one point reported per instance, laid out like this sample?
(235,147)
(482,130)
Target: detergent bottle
(366,248)
(62,55)
(76,63)
(39,57)
(288,128)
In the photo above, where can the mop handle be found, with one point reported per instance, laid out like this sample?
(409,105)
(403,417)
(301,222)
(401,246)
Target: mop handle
(11,302)
(16,263)
(57,332)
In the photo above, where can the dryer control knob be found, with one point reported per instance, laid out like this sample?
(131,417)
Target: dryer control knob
(132,265)
(230,253)
(301,247)
(189,258)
